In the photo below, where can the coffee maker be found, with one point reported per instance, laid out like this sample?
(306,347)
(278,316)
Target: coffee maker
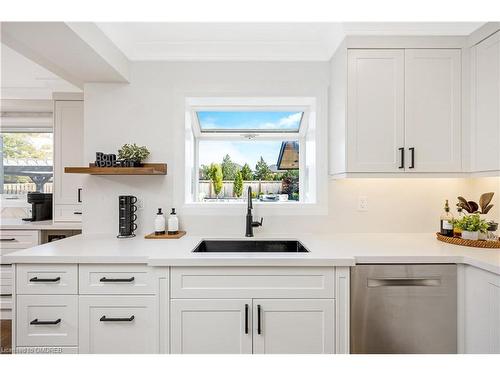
(41,206)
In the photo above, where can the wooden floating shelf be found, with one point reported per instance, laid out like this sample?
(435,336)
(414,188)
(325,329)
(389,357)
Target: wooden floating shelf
(146,169)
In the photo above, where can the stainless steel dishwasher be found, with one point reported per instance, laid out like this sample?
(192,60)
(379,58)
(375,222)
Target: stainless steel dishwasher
(404,308)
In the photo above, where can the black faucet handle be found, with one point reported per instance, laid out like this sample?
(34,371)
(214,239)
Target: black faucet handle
(257,223)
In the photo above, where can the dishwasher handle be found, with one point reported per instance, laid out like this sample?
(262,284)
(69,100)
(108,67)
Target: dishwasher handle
(418,281)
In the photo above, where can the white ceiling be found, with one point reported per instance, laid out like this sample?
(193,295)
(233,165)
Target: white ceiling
(256,41)
(21,78)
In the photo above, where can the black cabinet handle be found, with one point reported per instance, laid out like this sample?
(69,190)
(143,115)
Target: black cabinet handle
(246,318)
(402,150)
(37,280)
(7,239)
(5,295)
(79,195)
(37,322)
(77,213)
(106,280)
(104,319)
(259,328)
(412,153)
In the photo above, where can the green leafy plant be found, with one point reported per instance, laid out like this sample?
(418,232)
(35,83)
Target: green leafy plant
(472,223)
(238,184)
(472,207)
(132,152)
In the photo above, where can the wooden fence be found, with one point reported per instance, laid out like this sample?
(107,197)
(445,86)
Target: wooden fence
(24,188)
(266,187)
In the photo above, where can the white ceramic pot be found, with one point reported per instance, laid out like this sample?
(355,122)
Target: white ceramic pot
(483,236)
(466,235)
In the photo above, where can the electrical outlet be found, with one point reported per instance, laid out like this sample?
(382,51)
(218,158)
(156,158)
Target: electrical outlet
(363,203)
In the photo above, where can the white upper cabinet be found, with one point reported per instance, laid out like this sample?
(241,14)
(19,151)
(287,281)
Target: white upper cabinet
(375,110)
(433,110)
(68,151)
(485,134)
(399,112)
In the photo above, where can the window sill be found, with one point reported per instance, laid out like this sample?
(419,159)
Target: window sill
(260,208)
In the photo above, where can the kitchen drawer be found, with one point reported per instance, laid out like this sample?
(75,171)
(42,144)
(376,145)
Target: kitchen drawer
(12,240)
(118,324)
(116,279)
(47,350)
(5,280)
(252,282)
(47,279)
(68,212)
(47,320)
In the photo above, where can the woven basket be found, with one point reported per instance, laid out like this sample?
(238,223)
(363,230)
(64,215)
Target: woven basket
(471,243)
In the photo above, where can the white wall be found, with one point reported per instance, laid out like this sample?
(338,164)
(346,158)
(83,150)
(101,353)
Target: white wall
(149,111)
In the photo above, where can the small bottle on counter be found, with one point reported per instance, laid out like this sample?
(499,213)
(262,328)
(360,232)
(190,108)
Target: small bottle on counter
(159,223)
(173,223)
(457,231)
(446,227)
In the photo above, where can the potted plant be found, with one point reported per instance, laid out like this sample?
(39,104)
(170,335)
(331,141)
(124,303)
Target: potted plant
(471,226)
(132,155)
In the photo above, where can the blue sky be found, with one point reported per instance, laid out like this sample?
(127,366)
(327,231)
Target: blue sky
(241,152)
(249,120)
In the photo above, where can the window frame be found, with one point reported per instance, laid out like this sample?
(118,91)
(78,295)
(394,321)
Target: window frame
(311,193)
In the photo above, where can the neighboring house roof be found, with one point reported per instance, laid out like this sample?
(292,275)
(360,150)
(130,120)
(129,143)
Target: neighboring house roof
(289,156)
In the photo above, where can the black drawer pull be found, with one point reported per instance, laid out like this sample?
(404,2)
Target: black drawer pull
(7,239)
(77,213)
(259,328)
(104,319)
(79,195)
(37,280)
(246,318)
(412,153)
(5,295)
(106,280)
(402,150)
(37,322)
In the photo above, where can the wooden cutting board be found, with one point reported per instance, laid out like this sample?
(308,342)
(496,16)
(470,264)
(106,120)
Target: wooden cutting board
(165,236)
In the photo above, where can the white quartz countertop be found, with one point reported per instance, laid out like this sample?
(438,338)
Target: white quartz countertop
(15,224)
(325,250)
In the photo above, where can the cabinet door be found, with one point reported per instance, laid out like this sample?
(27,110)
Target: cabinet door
(118,324)
(486,105)
(293,326)
(375,110)
(212,326)
(68,151)
(482,311)
(433,110)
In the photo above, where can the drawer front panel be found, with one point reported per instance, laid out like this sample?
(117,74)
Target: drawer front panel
(17,240)
(116,279)
(5,280)
(252,282)
(118,324)
(47,320)
(47,279)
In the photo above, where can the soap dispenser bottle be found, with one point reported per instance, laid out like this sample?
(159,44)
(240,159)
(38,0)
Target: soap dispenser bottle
(159,223)
(173,223)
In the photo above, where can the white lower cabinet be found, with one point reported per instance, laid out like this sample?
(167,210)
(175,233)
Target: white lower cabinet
(259,326)
(212,326)
(47,321)
(288,326)
(118,324)
(481,311)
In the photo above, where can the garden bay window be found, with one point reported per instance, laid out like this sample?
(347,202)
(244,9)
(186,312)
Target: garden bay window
(267,144)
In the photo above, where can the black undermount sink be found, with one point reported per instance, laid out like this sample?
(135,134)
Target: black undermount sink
(250,246)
